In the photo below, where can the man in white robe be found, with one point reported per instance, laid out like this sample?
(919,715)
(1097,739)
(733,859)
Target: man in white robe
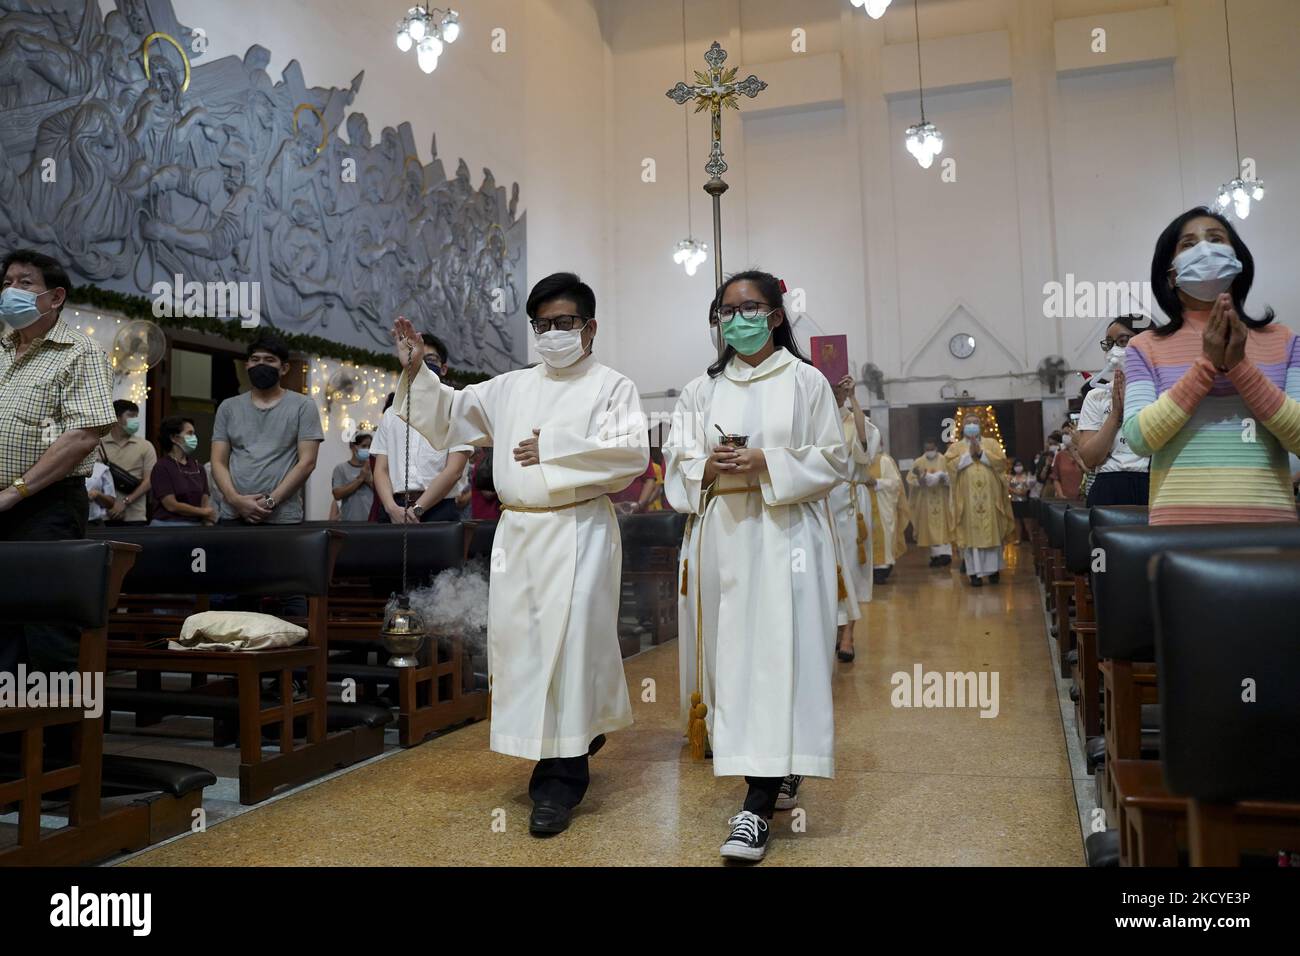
(981,503)
(564,435)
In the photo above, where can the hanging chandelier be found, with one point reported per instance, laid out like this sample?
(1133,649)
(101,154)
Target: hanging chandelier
(875,8)
(689,253)
(1239,191)
(427,29)
(923,139)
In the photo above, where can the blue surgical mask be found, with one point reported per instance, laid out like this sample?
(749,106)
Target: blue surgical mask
(971,431)
(363,454)
(191,442)
(131,426)
(18,308)
(1206,270)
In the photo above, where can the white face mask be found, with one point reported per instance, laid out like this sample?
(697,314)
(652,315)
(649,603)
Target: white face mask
(560,349)
(1066,440)
(1206,270)
(1115,357)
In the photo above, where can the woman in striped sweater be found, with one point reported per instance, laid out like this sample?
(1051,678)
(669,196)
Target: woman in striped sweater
(1213,397)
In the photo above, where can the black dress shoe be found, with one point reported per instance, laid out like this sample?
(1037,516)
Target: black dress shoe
(596,745)
(548,818)
(934,561)
(846,657)
(995,577)
(975,581)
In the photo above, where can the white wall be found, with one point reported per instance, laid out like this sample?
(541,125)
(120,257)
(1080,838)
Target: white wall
(1057,172)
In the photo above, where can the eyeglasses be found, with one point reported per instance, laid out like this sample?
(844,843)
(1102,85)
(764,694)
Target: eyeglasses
(561,323)
(747,310)
(1122,342)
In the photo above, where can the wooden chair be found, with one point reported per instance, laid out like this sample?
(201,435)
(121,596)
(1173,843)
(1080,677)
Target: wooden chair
(1060,585)
(1086,690)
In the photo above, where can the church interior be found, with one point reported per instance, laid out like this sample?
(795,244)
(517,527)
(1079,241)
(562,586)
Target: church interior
(480,437)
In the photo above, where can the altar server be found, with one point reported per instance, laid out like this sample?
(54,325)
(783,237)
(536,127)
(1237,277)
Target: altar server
(886,486)
(931,504)
(850,505)
(981,501)
(763,569)
(565,434)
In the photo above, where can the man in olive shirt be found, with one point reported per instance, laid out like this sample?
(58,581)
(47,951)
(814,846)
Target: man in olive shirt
(56,401)
(135,455)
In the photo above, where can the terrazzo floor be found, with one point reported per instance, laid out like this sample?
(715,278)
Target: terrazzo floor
(913,786)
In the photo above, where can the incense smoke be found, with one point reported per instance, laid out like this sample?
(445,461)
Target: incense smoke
(456,602)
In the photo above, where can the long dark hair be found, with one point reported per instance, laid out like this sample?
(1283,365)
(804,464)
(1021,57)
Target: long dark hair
(769,286)
(1161,261)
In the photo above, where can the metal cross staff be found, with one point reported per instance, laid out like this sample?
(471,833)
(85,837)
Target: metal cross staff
(712,92)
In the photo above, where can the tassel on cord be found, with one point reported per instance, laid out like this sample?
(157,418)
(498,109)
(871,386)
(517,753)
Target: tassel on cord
(697,731)
(862,552)
(685,565)
(839,579)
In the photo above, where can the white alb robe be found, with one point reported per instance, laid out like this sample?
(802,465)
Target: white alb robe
(555,670)
(761,569)
(858,581)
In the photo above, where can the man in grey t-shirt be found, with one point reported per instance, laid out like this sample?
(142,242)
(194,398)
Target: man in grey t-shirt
(264,443)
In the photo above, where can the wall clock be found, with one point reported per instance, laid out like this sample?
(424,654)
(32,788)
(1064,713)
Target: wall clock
(962,345)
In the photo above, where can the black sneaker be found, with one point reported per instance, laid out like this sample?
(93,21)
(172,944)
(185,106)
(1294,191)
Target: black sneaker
(787,798)
(748,840)
(995,577)
(975,581)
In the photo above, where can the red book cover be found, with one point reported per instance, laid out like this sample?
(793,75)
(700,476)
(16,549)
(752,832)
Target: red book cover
(830,354)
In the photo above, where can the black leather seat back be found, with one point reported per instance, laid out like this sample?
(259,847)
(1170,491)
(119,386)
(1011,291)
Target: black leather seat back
(1227,631)
(1112,516)
(480,543)
(375,550)
(1054,510)
(65,581)
(653,529)
(1122,593)
(272,560)
(1078,541)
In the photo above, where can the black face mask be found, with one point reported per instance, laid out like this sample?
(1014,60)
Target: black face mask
(263,376)
(431,363)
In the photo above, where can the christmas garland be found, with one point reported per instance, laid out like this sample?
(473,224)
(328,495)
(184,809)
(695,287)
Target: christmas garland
(138,307)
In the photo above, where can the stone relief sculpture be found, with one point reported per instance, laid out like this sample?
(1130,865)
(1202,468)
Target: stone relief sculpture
(124,155)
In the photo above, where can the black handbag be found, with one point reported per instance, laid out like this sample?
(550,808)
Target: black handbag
(123,481)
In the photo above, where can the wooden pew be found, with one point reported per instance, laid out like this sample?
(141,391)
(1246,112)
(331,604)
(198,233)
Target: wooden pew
(1232,764)
(440,692)
(1149,825)
(1086,691)
(651,544)
(1060,586)
(34,580)
(266,562)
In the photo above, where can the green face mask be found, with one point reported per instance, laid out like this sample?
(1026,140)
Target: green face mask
(190,442)
(747,335)
(131,426)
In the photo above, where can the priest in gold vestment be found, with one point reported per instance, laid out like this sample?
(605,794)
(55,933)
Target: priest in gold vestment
(932,504)
(981,501)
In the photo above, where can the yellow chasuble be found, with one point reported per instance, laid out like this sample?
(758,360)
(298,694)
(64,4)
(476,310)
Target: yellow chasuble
(931,502)
(981,499)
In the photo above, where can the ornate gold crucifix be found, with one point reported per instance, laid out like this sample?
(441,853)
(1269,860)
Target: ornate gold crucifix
(715,91)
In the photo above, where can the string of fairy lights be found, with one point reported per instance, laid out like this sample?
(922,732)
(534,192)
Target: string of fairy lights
(360,411)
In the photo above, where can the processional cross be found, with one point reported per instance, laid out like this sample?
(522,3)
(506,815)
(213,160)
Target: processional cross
(715,91)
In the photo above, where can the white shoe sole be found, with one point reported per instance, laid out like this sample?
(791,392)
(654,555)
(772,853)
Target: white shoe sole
(735,851)
(787,803)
